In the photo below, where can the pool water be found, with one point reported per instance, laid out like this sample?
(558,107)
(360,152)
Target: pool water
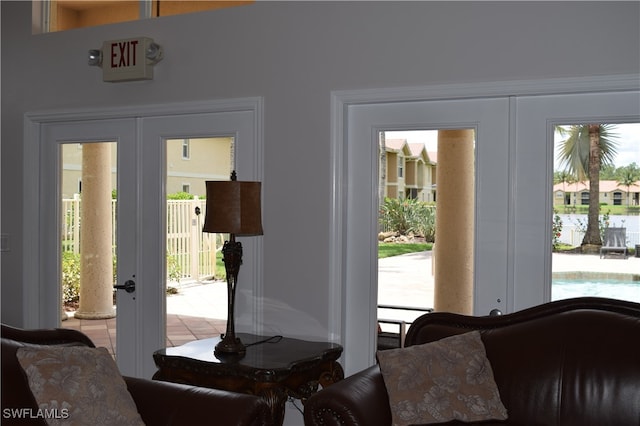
(613,289)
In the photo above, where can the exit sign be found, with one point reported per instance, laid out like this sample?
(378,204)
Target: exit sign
(125,60)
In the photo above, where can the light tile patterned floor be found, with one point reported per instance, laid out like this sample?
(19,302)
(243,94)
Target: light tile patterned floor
(196,312)
(180,329)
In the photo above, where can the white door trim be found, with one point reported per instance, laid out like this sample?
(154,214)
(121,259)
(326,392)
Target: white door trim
(339,290)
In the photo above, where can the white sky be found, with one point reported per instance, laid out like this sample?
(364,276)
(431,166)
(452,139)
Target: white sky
(628,141)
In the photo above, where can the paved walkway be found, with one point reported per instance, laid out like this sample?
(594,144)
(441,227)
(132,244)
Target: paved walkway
(407,280)
(593,263)
(199,311)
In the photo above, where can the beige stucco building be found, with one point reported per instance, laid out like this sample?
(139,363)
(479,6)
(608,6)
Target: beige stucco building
(190,162)
(410,171)
(611,193)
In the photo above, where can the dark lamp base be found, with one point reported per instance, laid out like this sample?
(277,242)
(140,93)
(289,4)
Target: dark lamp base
(230,346)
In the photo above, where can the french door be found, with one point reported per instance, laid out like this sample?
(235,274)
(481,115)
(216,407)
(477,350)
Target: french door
(536,118)
(489,120)
(137,143)
(514,124)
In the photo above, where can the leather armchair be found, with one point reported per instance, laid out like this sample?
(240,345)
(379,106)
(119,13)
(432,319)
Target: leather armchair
(572,362)
(159,403)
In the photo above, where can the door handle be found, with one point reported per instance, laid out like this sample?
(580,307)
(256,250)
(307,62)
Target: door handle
(129,286)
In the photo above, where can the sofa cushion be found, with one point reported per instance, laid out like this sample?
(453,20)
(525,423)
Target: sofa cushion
(78,385)
(450,379)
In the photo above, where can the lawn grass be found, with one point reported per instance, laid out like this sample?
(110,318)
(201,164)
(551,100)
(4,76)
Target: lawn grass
(396,249)
(221,272)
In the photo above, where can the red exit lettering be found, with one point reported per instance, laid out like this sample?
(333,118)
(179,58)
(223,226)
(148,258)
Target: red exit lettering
(123,54)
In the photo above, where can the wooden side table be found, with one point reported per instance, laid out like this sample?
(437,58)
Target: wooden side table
(275,369)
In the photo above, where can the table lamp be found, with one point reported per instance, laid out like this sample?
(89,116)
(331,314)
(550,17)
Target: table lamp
(233,207)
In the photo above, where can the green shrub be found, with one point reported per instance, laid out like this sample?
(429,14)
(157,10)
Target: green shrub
(180,196)
(408,216)
(70,276)
(221,271)
(424,221)
(173,268)
(556,229)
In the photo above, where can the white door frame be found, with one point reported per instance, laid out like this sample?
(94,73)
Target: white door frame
(343,317)
(39,266)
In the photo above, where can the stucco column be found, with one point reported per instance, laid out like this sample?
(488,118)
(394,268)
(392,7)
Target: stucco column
(453,251)
(96,264)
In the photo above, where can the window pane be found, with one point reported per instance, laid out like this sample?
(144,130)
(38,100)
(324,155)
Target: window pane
(61,15)
(196,286)
(408,161)
(589,259)
(168,7)
(69,14)
(88,240)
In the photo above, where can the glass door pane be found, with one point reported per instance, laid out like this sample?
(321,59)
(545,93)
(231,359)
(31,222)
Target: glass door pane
(196,286)
(88,239)
(612,230)
(411,198)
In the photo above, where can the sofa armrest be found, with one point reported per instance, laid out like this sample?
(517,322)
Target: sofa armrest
(360,399)
(164,403)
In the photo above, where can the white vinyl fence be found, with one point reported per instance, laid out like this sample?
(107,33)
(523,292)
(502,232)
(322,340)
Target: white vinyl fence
(572,236)
(191,254)
(193,251)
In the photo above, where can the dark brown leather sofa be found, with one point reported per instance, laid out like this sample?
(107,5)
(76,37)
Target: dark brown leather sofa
(159,403)
(571,362)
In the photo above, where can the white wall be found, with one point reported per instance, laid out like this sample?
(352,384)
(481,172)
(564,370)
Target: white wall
(294,54)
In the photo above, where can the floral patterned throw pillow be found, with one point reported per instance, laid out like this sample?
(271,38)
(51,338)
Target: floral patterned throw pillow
(78,385)
(437,382)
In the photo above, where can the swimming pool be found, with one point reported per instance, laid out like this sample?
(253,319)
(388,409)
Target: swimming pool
(565,288)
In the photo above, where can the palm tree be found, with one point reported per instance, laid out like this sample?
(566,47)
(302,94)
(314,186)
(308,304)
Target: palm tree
(383,167)
(586,149)
(627,176)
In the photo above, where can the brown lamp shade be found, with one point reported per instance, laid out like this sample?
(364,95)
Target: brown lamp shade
(233,207)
